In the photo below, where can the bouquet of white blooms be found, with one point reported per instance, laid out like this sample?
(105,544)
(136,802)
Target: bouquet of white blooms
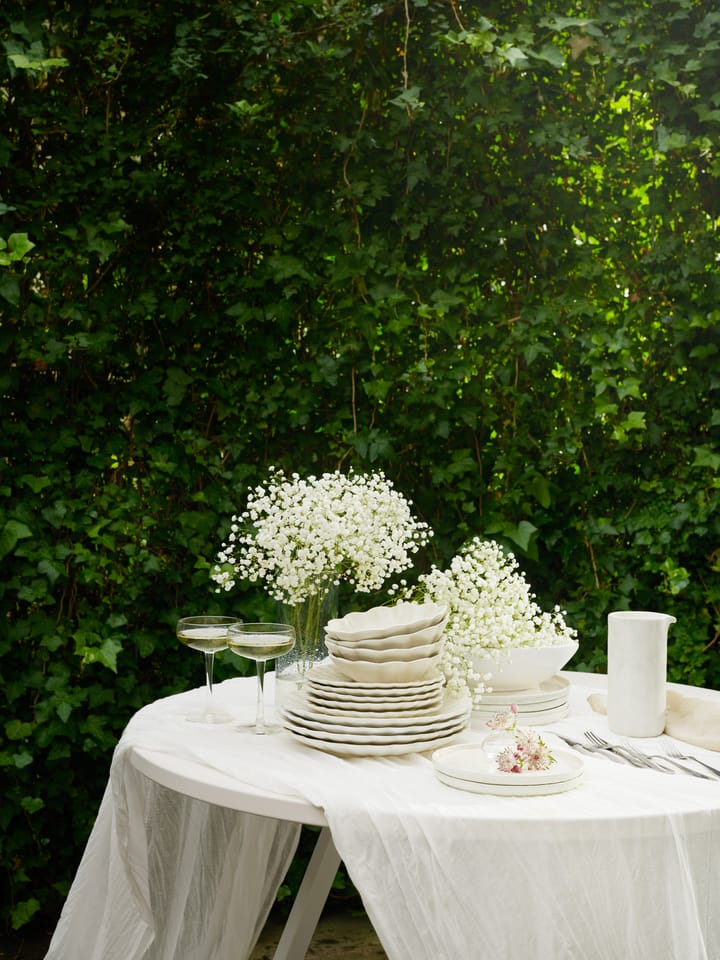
(302,536)
(490,608)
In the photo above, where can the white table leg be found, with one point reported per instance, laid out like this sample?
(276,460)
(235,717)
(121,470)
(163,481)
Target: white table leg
(310,899)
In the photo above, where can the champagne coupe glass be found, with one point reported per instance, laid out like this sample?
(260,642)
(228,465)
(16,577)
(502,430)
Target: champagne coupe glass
(261,642)
(208,634)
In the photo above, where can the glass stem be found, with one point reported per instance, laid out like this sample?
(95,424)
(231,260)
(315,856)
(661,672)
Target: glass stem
(209,663)
(260,713)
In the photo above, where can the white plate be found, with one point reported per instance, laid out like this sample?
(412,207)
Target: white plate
(326,675)
(532,719)
(358,735)
(468,761)
(383,714)
(510,789)
(346,701)
(451,708)
(379,707)
(403,617)
(374,749)
(391,671)
(548,690)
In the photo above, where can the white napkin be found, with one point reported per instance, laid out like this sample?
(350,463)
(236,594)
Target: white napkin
(689,719)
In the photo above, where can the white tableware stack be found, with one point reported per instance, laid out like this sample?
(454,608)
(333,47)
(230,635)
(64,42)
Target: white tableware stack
(380,692)
(527,677)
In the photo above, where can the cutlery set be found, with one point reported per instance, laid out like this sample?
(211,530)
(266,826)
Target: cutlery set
(671,762)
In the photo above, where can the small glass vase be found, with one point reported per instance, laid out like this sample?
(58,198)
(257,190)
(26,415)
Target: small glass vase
(309,619)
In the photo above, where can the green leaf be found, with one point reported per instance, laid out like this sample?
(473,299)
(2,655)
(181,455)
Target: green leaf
(706,456)
(23,912)
(11,533)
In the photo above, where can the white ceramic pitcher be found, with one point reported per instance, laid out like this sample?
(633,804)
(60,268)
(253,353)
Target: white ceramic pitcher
(637,672)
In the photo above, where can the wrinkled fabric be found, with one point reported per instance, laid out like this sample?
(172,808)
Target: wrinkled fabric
(625,866)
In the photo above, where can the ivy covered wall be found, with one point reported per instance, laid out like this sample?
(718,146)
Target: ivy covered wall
(474,246)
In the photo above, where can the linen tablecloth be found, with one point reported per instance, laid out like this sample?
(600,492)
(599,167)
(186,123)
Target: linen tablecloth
(625,866)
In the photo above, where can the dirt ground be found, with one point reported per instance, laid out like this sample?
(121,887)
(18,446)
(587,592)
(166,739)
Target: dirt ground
(344,933)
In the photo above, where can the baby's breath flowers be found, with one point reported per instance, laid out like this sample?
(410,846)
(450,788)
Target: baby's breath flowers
(490,608)
(302,536)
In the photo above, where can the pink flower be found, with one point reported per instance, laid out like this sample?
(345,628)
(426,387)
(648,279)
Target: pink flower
(529,753)
(505,720)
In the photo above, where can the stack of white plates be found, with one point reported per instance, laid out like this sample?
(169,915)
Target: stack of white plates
(352,718)
(399,644)
(544,704)
(465,766)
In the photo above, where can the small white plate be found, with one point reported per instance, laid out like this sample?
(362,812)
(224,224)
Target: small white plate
(468,761)
(510,789)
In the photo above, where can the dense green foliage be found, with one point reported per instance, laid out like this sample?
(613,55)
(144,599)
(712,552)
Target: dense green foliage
(473,245)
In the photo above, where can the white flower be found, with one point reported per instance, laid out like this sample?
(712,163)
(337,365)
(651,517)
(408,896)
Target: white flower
(490,607)
(301,536)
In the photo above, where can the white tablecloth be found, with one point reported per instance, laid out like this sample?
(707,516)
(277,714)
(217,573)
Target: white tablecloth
(625,867)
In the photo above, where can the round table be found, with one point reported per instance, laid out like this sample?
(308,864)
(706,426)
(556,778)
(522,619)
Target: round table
(627,865)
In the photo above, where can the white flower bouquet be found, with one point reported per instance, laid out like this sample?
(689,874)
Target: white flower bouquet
(490,608)
(302,536)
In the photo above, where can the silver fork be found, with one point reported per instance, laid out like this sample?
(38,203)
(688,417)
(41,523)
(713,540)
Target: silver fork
(677,755)
(632,754)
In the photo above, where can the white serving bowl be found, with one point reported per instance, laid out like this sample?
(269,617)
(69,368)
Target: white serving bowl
(415,638)
(404,617)
(392,671)
(347,651)
(523,668)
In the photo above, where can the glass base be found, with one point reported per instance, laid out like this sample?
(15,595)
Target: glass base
(204,716)
(270,727)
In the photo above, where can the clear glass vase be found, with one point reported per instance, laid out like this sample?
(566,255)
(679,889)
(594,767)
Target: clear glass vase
(309,619)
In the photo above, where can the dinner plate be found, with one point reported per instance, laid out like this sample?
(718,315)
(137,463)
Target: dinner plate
(450,709)
(359,735)
(469,762)
(549,690)
(380,705)
(382,715)
(326,675)
(376,749)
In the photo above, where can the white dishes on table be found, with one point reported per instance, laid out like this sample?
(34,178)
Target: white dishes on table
(382,622)
(351,718)
(327,688)
(544,704)
(523,668)
(465,766)
(394,644)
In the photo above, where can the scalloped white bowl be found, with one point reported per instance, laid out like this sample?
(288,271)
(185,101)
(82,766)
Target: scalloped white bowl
(392,671)
(524,668)
(346,651)
(415,638)
(378,622)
